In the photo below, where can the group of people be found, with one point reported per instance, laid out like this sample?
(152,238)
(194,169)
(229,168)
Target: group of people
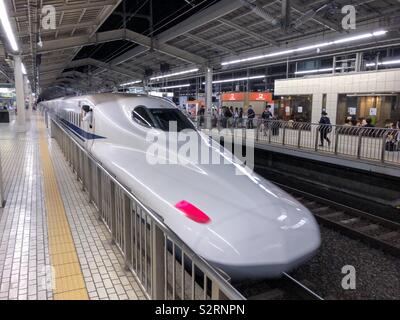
(360,123)
(392,137)
(236,117)
(231,118)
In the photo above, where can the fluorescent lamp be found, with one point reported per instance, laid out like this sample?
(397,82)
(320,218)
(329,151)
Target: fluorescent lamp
(23,69)
(314,71)
(174,74)
(237,79)
(386,63)
(176,87)
(321,70)
(7,26)
(130,83)
(307,48)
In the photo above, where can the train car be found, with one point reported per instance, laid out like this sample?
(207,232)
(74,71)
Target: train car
(240,223)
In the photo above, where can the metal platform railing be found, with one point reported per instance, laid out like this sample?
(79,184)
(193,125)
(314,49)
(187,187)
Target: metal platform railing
(358,143)
(164,265)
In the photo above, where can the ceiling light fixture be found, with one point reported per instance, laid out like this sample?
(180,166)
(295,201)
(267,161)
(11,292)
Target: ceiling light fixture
(307,48)
(176,87)
(238,79)
(130,83)
(7,26)
(321,70)
(386,63)
(174,74)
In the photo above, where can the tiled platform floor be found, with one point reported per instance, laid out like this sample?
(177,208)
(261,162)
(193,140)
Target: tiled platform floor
(25,264)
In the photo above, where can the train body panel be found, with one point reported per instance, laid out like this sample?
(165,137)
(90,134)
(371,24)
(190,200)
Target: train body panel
(256,230)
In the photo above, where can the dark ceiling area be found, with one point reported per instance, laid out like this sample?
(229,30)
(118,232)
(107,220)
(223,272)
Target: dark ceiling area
(166,14)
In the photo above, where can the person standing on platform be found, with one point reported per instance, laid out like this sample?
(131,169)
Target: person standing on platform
(201,115)
(241,118)
(250,117)
(236,118)
(266,117)
(325,128)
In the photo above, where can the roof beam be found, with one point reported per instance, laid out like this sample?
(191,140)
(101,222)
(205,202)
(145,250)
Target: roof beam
(60,28)
(164,48)
(249,32)
(55,68)
(210,43)
(326,23)
(199,19)
(120,34)
(79,41)
(71,7)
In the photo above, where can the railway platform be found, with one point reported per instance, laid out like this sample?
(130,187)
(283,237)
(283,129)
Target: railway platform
(366,149)
(52,244)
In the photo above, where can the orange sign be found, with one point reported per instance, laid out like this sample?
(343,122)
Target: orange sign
(253,96)
(260,96)
(233,96)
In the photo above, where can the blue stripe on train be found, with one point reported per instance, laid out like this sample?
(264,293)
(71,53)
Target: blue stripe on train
(81,133)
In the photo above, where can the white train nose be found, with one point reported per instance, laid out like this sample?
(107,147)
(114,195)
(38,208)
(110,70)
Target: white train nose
(260,247)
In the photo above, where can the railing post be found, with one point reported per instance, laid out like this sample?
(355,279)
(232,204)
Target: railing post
(113,210)
(99,192)
(317,134)
(127,230)
(299,137)
(90,178)
(359,146)
(337,133)
(284,134)
(158,264)
(272,124)
(258,132)
(78,164)
(384,139)
(83,179)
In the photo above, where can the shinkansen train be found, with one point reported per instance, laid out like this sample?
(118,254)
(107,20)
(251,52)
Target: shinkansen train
(240,223)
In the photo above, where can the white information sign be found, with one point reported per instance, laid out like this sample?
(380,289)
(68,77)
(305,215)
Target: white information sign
(353,111)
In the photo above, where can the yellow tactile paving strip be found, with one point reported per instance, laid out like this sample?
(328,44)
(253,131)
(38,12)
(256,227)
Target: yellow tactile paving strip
(69,281)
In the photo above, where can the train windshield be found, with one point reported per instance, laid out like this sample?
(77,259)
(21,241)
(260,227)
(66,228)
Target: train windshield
(170,120)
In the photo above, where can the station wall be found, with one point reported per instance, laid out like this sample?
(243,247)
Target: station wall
(382,81)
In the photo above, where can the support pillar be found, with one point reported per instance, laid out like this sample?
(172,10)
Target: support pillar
(19,90)
(209,95)
(359,61)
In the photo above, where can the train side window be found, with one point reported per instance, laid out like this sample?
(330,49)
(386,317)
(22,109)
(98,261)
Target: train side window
(141,116)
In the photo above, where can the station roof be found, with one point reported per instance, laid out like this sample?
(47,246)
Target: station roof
(92,48)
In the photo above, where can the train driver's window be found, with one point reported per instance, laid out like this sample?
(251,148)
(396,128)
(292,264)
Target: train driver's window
(141,116)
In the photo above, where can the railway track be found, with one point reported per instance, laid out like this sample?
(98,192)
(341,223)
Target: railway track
(375,231)
(286,288)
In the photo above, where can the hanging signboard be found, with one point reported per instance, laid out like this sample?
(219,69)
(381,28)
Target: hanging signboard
(260,96)
(233,96)
(373,112)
